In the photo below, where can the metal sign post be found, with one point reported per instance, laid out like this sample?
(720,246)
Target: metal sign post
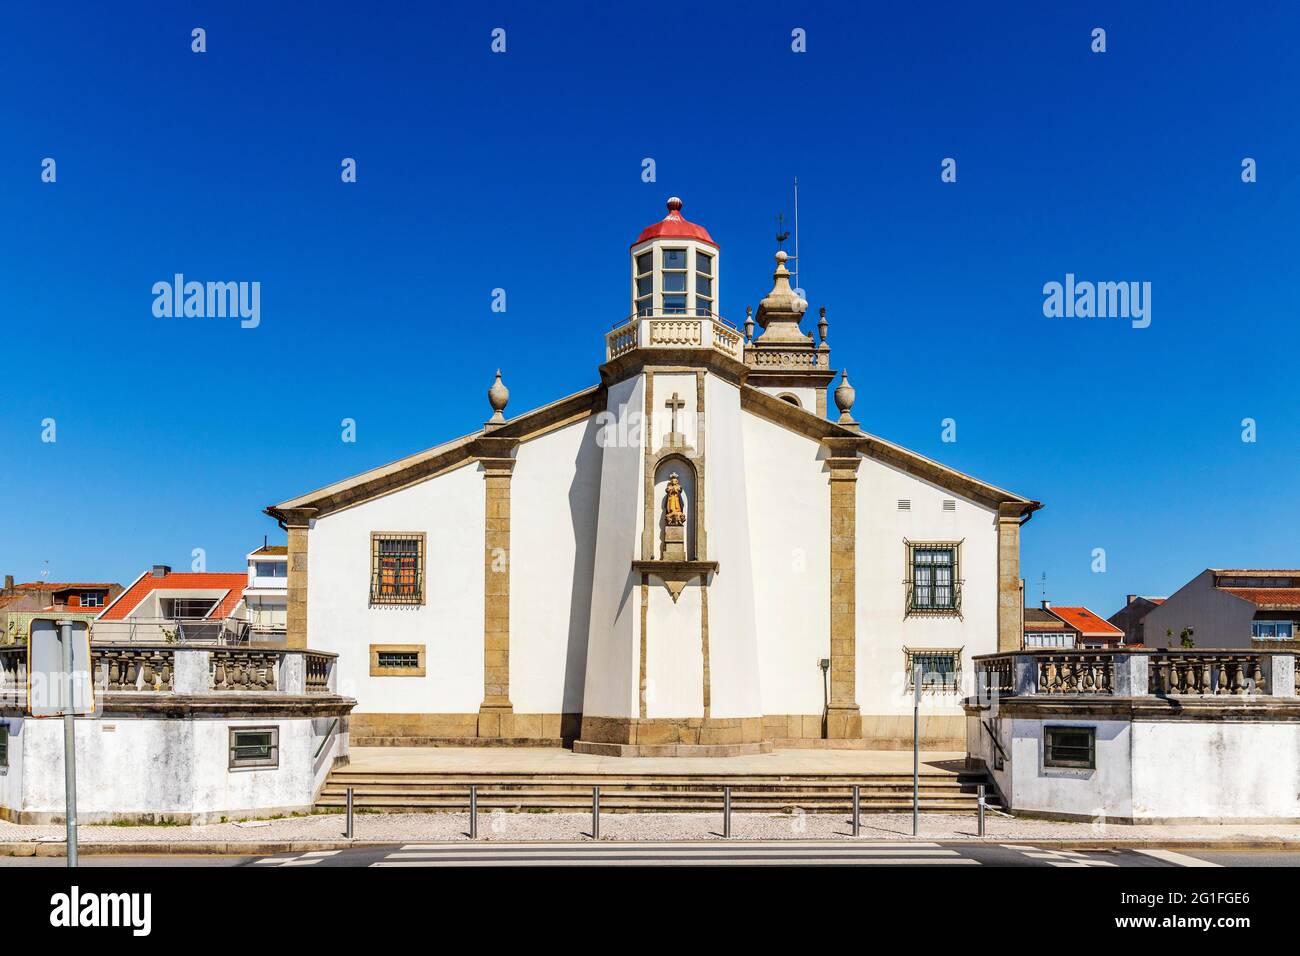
(59,685)
(916,749)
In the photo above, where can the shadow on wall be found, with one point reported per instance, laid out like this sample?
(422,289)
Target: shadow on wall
(584,510)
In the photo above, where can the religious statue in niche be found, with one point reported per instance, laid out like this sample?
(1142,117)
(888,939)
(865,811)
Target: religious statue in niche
(674,516)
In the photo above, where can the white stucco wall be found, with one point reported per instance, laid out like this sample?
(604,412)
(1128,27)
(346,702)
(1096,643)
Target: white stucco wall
(674,653)
(807,396)
(555,498)
(147,766)
(1193,770)
(613,677)
(883,629)
(735,685)
(449,509)
(788,500)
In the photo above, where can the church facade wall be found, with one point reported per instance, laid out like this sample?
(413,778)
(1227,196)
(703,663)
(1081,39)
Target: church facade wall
(788,499)
(556,499)
(885,629)
(449,511)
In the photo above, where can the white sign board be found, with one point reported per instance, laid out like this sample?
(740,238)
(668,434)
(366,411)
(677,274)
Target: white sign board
(59,679)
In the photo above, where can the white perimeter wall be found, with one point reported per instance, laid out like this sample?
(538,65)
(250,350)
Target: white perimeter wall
(789,529)
(1154,770)
(883,630)
(159,766)
(450,510)
(555,500)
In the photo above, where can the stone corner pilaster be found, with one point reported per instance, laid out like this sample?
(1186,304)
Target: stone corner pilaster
(496,713)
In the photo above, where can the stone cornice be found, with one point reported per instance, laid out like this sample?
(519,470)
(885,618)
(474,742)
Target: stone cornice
(266,705)
(638,359)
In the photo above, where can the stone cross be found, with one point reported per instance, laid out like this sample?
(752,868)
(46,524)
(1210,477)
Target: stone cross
(675,404)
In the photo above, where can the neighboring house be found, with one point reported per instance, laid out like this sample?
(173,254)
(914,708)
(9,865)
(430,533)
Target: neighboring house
(20,603)
(1231,607)
(1068,627)
(266,595)
(1131,618)
(163,605)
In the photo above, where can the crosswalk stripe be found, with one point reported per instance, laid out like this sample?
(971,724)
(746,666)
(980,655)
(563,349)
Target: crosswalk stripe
(1182,859)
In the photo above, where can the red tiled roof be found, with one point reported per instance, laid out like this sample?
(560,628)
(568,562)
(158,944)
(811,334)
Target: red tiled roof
(1087,623)
(56,586)
(673,226)
(180,580)
(1268,597)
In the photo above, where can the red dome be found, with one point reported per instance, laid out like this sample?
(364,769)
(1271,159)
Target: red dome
(673,226)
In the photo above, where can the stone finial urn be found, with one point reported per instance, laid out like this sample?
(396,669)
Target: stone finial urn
(845,395)
(498,398)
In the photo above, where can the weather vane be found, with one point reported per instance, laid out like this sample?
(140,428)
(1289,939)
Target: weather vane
(782,234)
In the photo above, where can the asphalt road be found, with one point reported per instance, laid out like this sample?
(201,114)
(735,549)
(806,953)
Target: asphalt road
(710,853)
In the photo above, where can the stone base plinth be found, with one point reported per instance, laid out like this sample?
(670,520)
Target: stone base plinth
(671,750)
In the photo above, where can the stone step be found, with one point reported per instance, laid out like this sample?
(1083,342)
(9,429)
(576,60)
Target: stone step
(657,780)
(462,793)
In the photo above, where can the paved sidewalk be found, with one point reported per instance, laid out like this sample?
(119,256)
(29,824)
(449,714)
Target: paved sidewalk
(325,831)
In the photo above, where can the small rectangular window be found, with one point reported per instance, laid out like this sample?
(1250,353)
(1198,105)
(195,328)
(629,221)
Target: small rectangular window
(675,259)
(1074,747)
(704,263)
(4,744)
(1272,630)
(940,669)
(396,568)
(253,747)
(675,304)
(674,281)
(645,263)
(92,598)
(396,660)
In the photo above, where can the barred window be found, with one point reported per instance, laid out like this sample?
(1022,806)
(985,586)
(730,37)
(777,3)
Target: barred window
(933,578)
(4,744)
(940,668)
(1070,747)
(396,568)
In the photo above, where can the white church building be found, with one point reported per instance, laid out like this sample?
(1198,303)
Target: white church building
(688,557)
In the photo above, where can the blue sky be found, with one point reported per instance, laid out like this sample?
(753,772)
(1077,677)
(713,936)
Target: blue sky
(523,171)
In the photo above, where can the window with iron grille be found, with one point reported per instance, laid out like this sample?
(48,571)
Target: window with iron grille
(940,668)
(396,568)
(252,747)
(1070,747)
(4,744)
(933,578)
(391,659)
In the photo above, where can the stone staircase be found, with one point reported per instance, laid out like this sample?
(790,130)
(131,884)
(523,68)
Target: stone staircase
(413,791)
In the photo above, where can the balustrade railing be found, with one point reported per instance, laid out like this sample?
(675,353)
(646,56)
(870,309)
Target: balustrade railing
(126,669)
(1224,673)
(1158,673)
(318,673)
(1076,674)
(240,670)
(188,670)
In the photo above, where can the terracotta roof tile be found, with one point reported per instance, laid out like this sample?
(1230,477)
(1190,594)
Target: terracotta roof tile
(182,580)
(1086,622)
(1268,597)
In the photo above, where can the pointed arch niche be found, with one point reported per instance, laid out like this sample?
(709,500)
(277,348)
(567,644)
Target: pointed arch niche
(668,465)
